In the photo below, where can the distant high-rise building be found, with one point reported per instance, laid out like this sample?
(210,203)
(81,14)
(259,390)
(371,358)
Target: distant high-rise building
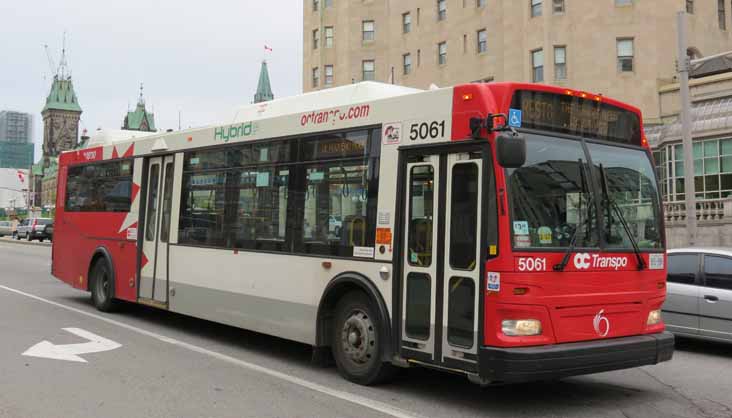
(264,89)
(16,140)
(140,119)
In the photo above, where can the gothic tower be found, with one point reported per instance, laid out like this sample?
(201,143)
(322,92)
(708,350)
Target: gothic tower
(60,114)
(140,119)
(264,90)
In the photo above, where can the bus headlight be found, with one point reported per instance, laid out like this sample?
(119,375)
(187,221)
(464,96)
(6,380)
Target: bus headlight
(654,317)
(521,327)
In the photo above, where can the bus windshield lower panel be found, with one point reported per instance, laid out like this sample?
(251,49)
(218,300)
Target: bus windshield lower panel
(556,195)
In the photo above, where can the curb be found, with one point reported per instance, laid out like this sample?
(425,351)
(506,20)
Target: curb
(35,244)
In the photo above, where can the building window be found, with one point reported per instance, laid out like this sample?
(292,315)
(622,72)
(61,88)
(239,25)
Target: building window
(316,5)
(690,6)
(721,15)
(419,57)
(623,2)
(558,6)
(407,22)
(407,60)
(537,65)
(328,75)
(535,8)
(560,63)
(482,41)
(479,3)
(442,53)
(441,9)
(328,3)
(316,77)
(368,28)
(712,169)
(625,55)
(329,36)
(316,38)
(369,71)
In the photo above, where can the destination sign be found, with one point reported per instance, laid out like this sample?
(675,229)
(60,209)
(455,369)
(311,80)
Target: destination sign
(574,115)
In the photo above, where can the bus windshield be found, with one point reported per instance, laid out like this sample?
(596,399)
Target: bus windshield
(556,196)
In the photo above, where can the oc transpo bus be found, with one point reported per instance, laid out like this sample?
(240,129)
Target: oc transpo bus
(509,232)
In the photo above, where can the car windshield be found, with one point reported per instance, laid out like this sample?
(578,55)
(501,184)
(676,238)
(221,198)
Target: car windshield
(554,196)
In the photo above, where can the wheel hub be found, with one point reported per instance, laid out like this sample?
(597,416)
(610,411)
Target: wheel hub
(358,337)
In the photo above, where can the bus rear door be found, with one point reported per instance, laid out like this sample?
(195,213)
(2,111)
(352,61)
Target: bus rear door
(153,289)
(441,265)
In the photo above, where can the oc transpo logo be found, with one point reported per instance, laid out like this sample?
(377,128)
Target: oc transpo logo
(601,324)
(582,261)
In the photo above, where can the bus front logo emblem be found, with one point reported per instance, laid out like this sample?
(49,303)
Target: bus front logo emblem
(582,261)
(601,324)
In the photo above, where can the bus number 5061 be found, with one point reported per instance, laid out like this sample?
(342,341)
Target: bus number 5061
(531,264)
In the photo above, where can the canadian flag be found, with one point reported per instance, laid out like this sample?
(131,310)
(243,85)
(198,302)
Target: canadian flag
(268,49)
(21,176)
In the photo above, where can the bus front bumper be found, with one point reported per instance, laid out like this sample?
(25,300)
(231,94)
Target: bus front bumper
(515,365)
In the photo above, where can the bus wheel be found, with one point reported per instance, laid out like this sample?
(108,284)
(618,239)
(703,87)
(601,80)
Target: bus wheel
(102,286)
(357,345)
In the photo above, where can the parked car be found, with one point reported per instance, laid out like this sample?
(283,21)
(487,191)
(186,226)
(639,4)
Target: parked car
(33,228)
(6,228)
(699,298)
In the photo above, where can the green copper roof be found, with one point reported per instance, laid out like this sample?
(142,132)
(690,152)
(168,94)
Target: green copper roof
(264,90)
(62,96)
(140,119)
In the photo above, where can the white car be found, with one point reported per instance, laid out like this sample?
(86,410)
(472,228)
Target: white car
(6,228)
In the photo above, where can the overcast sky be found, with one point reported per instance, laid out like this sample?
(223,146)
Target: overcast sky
(199,57)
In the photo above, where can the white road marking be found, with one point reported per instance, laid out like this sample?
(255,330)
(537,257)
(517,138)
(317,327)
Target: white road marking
(339,394)
(70,352)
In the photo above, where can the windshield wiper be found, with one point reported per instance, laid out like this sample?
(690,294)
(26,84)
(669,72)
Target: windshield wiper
(612,203)
(580,224)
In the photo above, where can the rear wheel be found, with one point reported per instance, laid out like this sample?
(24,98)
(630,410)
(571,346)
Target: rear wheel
(28,237)
(101,285)
(15,236)
(358,341)
(40,239)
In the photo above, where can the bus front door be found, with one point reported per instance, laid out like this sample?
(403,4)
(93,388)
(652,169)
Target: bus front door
(441,266)
(153,288)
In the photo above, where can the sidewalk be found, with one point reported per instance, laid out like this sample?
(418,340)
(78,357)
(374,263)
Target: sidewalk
(10,240)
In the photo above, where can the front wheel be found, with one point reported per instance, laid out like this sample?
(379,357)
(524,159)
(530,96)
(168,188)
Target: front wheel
(358,341)
(101,285)
(28,237)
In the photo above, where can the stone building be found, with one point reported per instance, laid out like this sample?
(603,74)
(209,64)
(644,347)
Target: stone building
(711,97)
(623,49)
(61,115)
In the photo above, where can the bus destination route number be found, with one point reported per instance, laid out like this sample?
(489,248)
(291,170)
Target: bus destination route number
(531,264)
(427,130)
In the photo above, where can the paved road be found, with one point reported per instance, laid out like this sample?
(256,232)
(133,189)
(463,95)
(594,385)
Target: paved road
(174,366)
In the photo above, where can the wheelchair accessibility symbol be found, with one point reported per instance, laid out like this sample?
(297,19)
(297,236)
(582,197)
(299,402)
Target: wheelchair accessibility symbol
(514,118)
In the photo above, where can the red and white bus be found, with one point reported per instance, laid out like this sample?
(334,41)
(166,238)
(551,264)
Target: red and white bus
(510,232)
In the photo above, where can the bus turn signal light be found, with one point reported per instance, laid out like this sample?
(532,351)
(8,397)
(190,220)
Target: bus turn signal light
(467,96)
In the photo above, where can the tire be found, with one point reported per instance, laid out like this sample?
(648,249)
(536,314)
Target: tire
(101,285)
(357,341)
(16,236)
(28,237)
(40,239)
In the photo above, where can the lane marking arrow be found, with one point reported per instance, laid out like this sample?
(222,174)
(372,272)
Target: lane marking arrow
(70,352)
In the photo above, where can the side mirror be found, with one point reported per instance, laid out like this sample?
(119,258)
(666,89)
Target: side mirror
(511,151)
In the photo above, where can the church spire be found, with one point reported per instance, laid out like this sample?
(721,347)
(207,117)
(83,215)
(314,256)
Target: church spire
(264,90)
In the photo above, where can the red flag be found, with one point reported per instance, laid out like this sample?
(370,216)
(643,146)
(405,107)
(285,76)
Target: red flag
(266,48)
(21,177)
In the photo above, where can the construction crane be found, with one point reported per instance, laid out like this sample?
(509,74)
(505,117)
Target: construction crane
(51,64)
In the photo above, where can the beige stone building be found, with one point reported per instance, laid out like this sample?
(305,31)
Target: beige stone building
(625,49)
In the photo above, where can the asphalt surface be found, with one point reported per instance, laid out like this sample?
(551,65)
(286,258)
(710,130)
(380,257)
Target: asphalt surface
(170,365)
